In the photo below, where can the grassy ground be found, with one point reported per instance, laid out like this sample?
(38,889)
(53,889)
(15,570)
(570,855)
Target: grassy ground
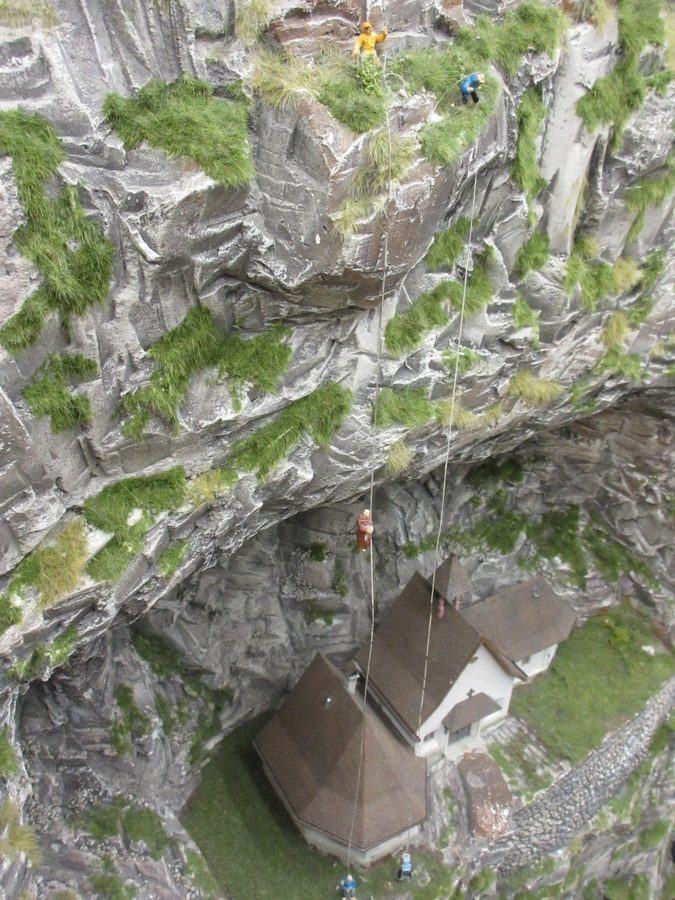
(599,677)
(520,768)
(410,407)
(19,13)
(253,849)
(69,251)
(447,246)
(185,120)
(319,415)
(191,347)
(404,332)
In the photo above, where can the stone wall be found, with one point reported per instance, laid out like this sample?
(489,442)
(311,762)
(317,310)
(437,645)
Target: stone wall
(557,815)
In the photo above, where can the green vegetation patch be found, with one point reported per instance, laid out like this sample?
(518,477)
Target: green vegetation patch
(111,509)
(109,884)
(8,761)
(20,13)
(447,246)
(354,92)
(47,394)
(594,277)
(318,415)
(314,612)
(251,18)
(252,847)
(404,332)
(53,570)
(615,329)
(409,407)
(388,156)
(615,97)
(185,120)
(531,27)
(618,364)
(197,344)
(649,192)
(532,389)
(165,661)
(519,767)
(15,837)
(399,458)
(565,707)
(464,360)
(533,254)
(207,486)
(525,317)
(53,654)
(131,724)
(509,470)
(654,835)
(525,168)
(69,251)
(621,889)
(171,559)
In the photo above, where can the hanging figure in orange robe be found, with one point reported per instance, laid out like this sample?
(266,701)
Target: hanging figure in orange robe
(364,530)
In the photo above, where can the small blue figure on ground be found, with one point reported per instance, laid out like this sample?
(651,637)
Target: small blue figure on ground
(468,87)
(347,887)
(405,868)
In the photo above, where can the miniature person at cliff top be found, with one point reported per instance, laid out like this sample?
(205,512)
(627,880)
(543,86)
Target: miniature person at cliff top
(468,86)
(347,887)
(405,868)
(364,530)
(367,41)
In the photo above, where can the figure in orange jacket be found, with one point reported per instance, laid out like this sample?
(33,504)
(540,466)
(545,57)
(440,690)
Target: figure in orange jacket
(367,41)
(364,530)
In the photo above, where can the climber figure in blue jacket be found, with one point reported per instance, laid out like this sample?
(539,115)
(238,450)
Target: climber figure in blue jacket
(468,86)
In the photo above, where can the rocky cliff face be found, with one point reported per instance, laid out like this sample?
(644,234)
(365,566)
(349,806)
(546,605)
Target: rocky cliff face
(266,574)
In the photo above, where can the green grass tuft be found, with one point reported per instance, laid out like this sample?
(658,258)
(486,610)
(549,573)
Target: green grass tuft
(399,458)
(655,835)
(595,11)
(171,559)
(447,246)
(563,706)
(625,274)
(8,762)
(404,332)
(197,344)
(409,407)
(15,837)
(316,613)
(130,724)
(594,277)
(47,394)
(615,330)
(525,168)
(465,359)
(318,415)
(618,364)
(649,192)
(186,121)
(209,485)
(53,569)
(252,17)
(21,13)
(110,509)
(524,317)
(69,251)
(353,91)
(368,186)
(109,885)
(532,389)
(143,825)
(533,254)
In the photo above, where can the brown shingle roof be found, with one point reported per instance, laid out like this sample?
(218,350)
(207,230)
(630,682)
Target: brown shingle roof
(312,748)
(397,664)
(451,579)
(522,619)
(469,711)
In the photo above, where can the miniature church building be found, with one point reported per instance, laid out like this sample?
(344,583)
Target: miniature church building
(310,751)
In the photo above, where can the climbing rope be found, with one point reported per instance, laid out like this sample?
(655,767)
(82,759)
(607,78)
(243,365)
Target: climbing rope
(373,459)
(444,489)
